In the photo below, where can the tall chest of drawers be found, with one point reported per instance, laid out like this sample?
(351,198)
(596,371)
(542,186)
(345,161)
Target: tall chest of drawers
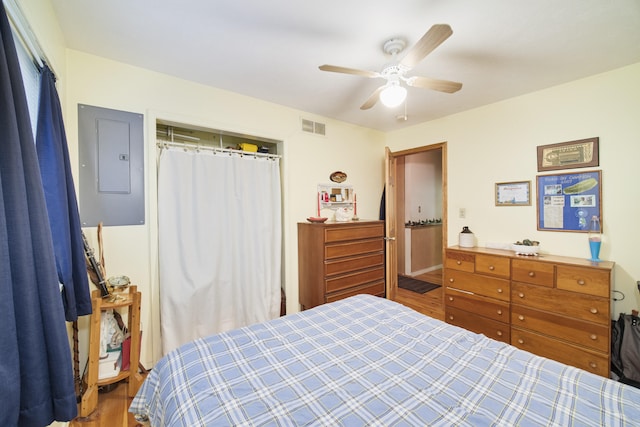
(558,307)
(338,260)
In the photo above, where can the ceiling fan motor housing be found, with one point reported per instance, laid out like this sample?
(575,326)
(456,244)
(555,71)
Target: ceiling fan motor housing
(394,46)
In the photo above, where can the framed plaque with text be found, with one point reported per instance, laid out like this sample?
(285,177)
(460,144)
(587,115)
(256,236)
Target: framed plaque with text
(582,153)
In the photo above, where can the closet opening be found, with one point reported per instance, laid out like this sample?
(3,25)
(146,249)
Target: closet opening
(199,137)
(220,231)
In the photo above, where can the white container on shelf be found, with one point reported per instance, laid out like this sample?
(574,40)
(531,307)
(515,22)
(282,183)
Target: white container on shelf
(466,239)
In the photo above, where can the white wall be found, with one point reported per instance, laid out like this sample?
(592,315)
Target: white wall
(497,143)
(307,160)
(423,186)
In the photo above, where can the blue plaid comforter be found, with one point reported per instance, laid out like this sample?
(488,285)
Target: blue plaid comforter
(369,361)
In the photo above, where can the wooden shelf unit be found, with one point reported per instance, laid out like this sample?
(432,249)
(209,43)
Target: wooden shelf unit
(125,300)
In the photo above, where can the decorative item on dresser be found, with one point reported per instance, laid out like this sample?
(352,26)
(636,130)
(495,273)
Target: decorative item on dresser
(338,260)
(556,307)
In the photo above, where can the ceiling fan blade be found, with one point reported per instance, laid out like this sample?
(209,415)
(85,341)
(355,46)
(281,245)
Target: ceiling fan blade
(373,98)
(345,70)
(431,40)
(435,84)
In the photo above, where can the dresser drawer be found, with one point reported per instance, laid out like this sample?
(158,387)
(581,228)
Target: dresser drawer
(584,280)
(493,265)
(592,335)
(346,265)
(483,306)
(481,325)
(346,281)
(340,234)
(339,250)
(570,304)
(460,261)
(535,272)
(478,284)
(371,289)
(597,363)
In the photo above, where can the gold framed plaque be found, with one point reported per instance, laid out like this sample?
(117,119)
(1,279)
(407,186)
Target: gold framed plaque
(582,153)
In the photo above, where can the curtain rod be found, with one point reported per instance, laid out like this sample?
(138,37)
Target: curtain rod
(197,147)
(22,27)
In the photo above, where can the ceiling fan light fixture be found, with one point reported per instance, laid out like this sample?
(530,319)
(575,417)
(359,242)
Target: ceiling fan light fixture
(393,95)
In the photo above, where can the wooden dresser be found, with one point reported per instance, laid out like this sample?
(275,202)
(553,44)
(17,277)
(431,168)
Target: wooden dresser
(340,259)
(553,306)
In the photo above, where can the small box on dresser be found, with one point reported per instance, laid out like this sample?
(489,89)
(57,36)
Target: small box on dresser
(340,259)
(553,306)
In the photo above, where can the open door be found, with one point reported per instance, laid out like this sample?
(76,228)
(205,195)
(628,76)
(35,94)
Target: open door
(395,236)
(391,244)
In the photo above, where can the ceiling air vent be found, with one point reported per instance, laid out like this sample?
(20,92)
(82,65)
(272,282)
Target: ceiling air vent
(313,127)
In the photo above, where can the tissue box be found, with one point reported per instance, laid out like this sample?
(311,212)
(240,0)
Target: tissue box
(109,366)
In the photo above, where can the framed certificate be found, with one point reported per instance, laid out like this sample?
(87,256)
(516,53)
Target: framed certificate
(516,193)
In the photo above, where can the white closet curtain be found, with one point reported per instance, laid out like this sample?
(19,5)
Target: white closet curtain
(219,219)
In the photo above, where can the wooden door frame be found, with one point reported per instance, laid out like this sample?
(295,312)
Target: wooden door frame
(391,207)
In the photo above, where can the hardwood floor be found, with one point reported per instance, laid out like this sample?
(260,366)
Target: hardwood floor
(430,303)
(112,410)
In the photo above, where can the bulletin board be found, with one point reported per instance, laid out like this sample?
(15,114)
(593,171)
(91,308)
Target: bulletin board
(566,202)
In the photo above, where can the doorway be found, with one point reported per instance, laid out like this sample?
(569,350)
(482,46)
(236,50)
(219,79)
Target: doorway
(416,224)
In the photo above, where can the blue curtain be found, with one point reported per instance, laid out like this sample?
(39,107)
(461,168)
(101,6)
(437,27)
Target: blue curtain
(36,379)
(60,196)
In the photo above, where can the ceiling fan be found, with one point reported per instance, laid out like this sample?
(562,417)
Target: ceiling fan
(393,93)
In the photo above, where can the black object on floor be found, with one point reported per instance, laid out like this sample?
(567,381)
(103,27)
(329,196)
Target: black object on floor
(415,285)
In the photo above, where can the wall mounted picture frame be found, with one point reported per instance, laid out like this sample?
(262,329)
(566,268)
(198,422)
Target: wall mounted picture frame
(516,193)
(582,153)
(566,202)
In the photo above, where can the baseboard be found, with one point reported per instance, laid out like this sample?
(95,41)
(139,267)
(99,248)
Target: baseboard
(425,270)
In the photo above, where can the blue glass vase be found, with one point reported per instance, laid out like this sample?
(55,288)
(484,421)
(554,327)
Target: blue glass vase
(595,238)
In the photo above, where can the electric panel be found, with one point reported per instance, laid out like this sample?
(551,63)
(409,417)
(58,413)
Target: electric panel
(111,154)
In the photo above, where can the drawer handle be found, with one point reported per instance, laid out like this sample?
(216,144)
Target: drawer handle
(593,365)
(593,337)
(521,294)
(500,312)
(451,317)
(594,310)
(459,262)
(499,333)
(521,317)
(499,290)
(450,298)
(532,274)
(520,341)
(451,280)
(581,282)
(491,267)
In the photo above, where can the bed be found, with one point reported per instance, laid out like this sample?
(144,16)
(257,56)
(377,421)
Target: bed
(369,361)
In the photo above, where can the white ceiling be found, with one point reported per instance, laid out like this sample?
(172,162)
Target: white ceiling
(271,50)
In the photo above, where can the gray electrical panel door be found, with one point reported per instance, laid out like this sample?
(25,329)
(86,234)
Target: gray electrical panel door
(111,154)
